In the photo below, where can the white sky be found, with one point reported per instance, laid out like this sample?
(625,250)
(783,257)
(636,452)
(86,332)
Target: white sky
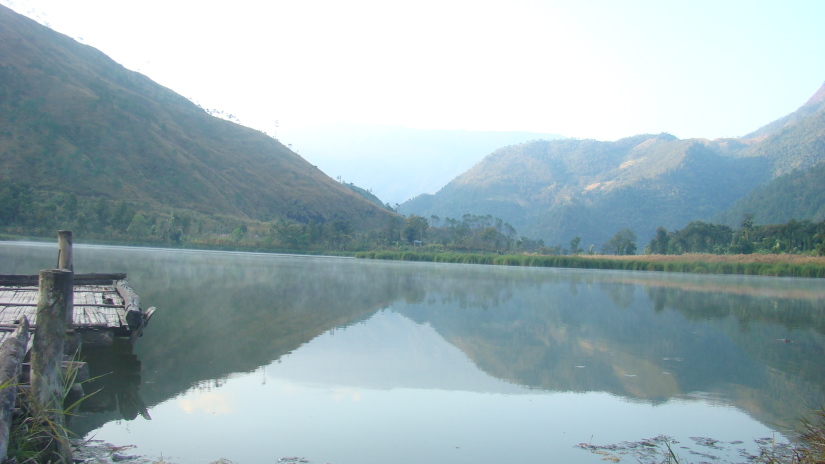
(588,69)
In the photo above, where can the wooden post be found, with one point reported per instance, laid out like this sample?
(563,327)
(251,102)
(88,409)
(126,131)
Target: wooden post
(64,250)
(54,308)
(12,352)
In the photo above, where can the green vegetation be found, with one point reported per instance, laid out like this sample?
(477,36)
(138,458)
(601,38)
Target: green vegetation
(366,194)
(76,125)
(732,265)
(555,190)
(699,237)
(39,433)
(25,212)
(471,239)
(799,194)
(559,189)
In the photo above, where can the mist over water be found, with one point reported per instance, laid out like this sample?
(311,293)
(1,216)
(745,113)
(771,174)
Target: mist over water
(256,357)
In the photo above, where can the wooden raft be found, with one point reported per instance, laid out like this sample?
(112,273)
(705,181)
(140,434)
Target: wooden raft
(105,306)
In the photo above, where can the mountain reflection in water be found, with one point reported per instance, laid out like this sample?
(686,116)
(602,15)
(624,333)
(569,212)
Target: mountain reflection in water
(648,338)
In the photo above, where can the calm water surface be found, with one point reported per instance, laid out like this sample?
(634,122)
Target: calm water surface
(257,358)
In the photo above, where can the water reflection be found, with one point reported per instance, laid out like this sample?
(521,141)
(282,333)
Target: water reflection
(352,325)
(114,382)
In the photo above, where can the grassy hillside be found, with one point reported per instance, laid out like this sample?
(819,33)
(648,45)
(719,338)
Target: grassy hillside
(74,122)
(557,190)
(797,195)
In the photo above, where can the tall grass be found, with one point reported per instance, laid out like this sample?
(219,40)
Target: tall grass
(763,265)
(812,438)
(39,434)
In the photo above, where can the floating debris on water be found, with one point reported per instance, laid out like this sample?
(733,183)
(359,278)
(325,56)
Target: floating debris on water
(654,450)
(707,442)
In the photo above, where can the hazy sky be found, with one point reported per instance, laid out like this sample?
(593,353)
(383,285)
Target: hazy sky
(589,69)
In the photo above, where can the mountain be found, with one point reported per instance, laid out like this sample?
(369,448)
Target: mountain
(74,122)
(557,190)
(796,141)
(795,145)
(394,162)
(796,195)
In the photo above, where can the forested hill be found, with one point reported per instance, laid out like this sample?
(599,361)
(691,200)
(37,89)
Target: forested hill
(74,122)
(796,195)
(560,189)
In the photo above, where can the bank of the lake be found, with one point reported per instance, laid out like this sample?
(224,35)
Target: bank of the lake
(777,265)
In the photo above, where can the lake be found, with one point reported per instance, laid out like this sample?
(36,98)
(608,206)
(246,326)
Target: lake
(260,358)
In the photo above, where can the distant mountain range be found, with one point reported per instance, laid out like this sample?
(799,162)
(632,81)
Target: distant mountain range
(396,163)
(72,121)
(557,190)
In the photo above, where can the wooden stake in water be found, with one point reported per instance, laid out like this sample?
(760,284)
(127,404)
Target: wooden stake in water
(64,250)
(54,308)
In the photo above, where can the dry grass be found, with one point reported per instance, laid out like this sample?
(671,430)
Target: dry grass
(812,437)
(711,258)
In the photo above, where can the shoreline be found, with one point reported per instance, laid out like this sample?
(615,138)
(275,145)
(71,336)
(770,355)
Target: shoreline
(758,265)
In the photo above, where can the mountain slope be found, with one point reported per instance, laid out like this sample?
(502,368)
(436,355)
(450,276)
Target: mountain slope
(795,141)
(797,195)
(74,121)
(556,190)
(395,162)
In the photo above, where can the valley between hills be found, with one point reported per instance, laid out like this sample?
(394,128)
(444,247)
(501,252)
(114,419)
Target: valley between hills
(90,146)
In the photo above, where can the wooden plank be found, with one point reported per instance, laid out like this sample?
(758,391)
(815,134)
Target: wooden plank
(11,314)
(86,279)
(113,297)
(79,316)
(4,315)
(16,295)
(94,316)
(111,317)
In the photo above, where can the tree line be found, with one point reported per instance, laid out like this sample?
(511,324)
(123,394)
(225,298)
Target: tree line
(27,212)
(794,237)
(30,213)
(470,233)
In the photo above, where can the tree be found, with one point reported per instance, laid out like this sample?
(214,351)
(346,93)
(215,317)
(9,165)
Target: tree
(491,238)
(236,235)
(340,233)
(574,246)
(660,242)
(70,207)
(623,243)
(101,212)
(122,216)
(414,228)
(702,237)
(139,226)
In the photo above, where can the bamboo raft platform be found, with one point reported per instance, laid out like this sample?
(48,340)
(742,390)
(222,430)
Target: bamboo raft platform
(45,319)
(104,307)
